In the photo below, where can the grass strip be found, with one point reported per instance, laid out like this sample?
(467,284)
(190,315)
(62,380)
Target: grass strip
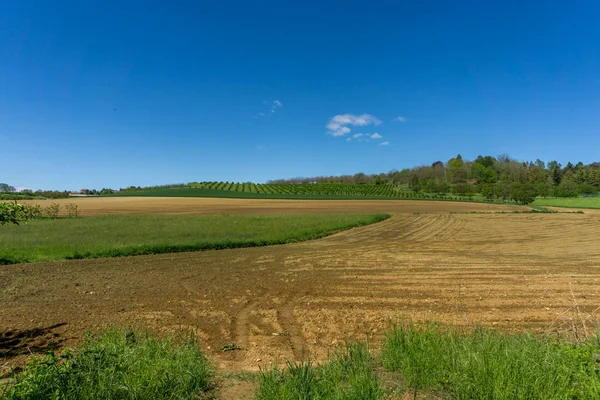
(117,364)
(488,365)
(348,375)
(128,235)
(577,202)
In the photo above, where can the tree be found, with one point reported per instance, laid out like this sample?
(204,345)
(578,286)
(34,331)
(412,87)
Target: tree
(566,188)
(6,188)
(523,193)
(463,189)
(542,189)
(456,170)
(482,174)
(490,191)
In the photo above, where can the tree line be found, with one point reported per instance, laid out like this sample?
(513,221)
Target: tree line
(492,177)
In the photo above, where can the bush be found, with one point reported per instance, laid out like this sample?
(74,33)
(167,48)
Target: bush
(117,364)
(10,213)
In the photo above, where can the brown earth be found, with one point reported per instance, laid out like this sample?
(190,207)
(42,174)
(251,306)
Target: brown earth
(506,271)
(196,205)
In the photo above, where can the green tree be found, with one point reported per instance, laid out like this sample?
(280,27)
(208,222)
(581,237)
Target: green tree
(6,188)
(566,188)
(543,189)
(523,193)
(490,191)
(456,170)
(483,174)
(463,189)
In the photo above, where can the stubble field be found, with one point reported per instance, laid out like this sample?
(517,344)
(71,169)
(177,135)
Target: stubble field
(507,271)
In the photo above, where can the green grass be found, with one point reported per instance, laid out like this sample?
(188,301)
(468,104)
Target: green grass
(348,375)
(489,365)
(117,364)
(577,202)
(125,235)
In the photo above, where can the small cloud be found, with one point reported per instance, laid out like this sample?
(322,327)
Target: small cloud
(376,136)
(339,124)
(276,104)
(384,143)
(348,139)
(21,188)
(357,135)
(400,119)
(273,106)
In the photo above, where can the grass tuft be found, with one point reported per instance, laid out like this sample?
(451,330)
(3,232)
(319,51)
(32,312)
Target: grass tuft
(348,375)
(489,365)
(117,364)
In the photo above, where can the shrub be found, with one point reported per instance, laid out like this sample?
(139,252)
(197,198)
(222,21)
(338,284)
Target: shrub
(10,213)
(52,210)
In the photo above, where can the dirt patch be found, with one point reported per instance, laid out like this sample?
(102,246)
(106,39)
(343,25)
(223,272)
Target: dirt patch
(195,205)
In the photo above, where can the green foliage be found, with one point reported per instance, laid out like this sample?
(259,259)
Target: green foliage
(489,365)
(566,188)
(463,189)
(124,235)
(490,191)
(10,213)
(523,193)
(117,364)
(348,375)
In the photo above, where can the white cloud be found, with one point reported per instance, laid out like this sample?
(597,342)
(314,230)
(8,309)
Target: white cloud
(338,125)
(276,104)
(384,143)
(376,136)
(357,135)
(21,188)
(273,106)
(400,119)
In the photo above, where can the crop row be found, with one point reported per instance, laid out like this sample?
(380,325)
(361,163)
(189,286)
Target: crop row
(316,189)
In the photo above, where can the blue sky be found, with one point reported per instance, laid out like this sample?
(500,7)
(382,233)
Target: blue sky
(115,93)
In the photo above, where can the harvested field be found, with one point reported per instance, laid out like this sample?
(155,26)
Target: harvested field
(508,271)
(196,205)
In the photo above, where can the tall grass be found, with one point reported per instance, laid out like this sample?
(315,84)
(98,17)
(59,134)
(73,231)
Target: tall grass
(348,375)
(125,235)
(118,364)
(489,365)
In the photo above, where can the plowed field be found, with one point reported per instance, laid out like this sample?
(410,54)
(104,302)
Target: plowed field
(508,271)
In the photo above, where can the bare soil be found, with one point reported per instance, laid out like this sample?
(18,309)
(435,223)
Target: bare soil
(196,205)
(506,271)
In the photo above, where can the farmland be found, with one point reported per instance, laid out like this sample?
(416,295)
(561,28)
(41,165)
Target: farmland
(126,235)
(314,191)
(509,272)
